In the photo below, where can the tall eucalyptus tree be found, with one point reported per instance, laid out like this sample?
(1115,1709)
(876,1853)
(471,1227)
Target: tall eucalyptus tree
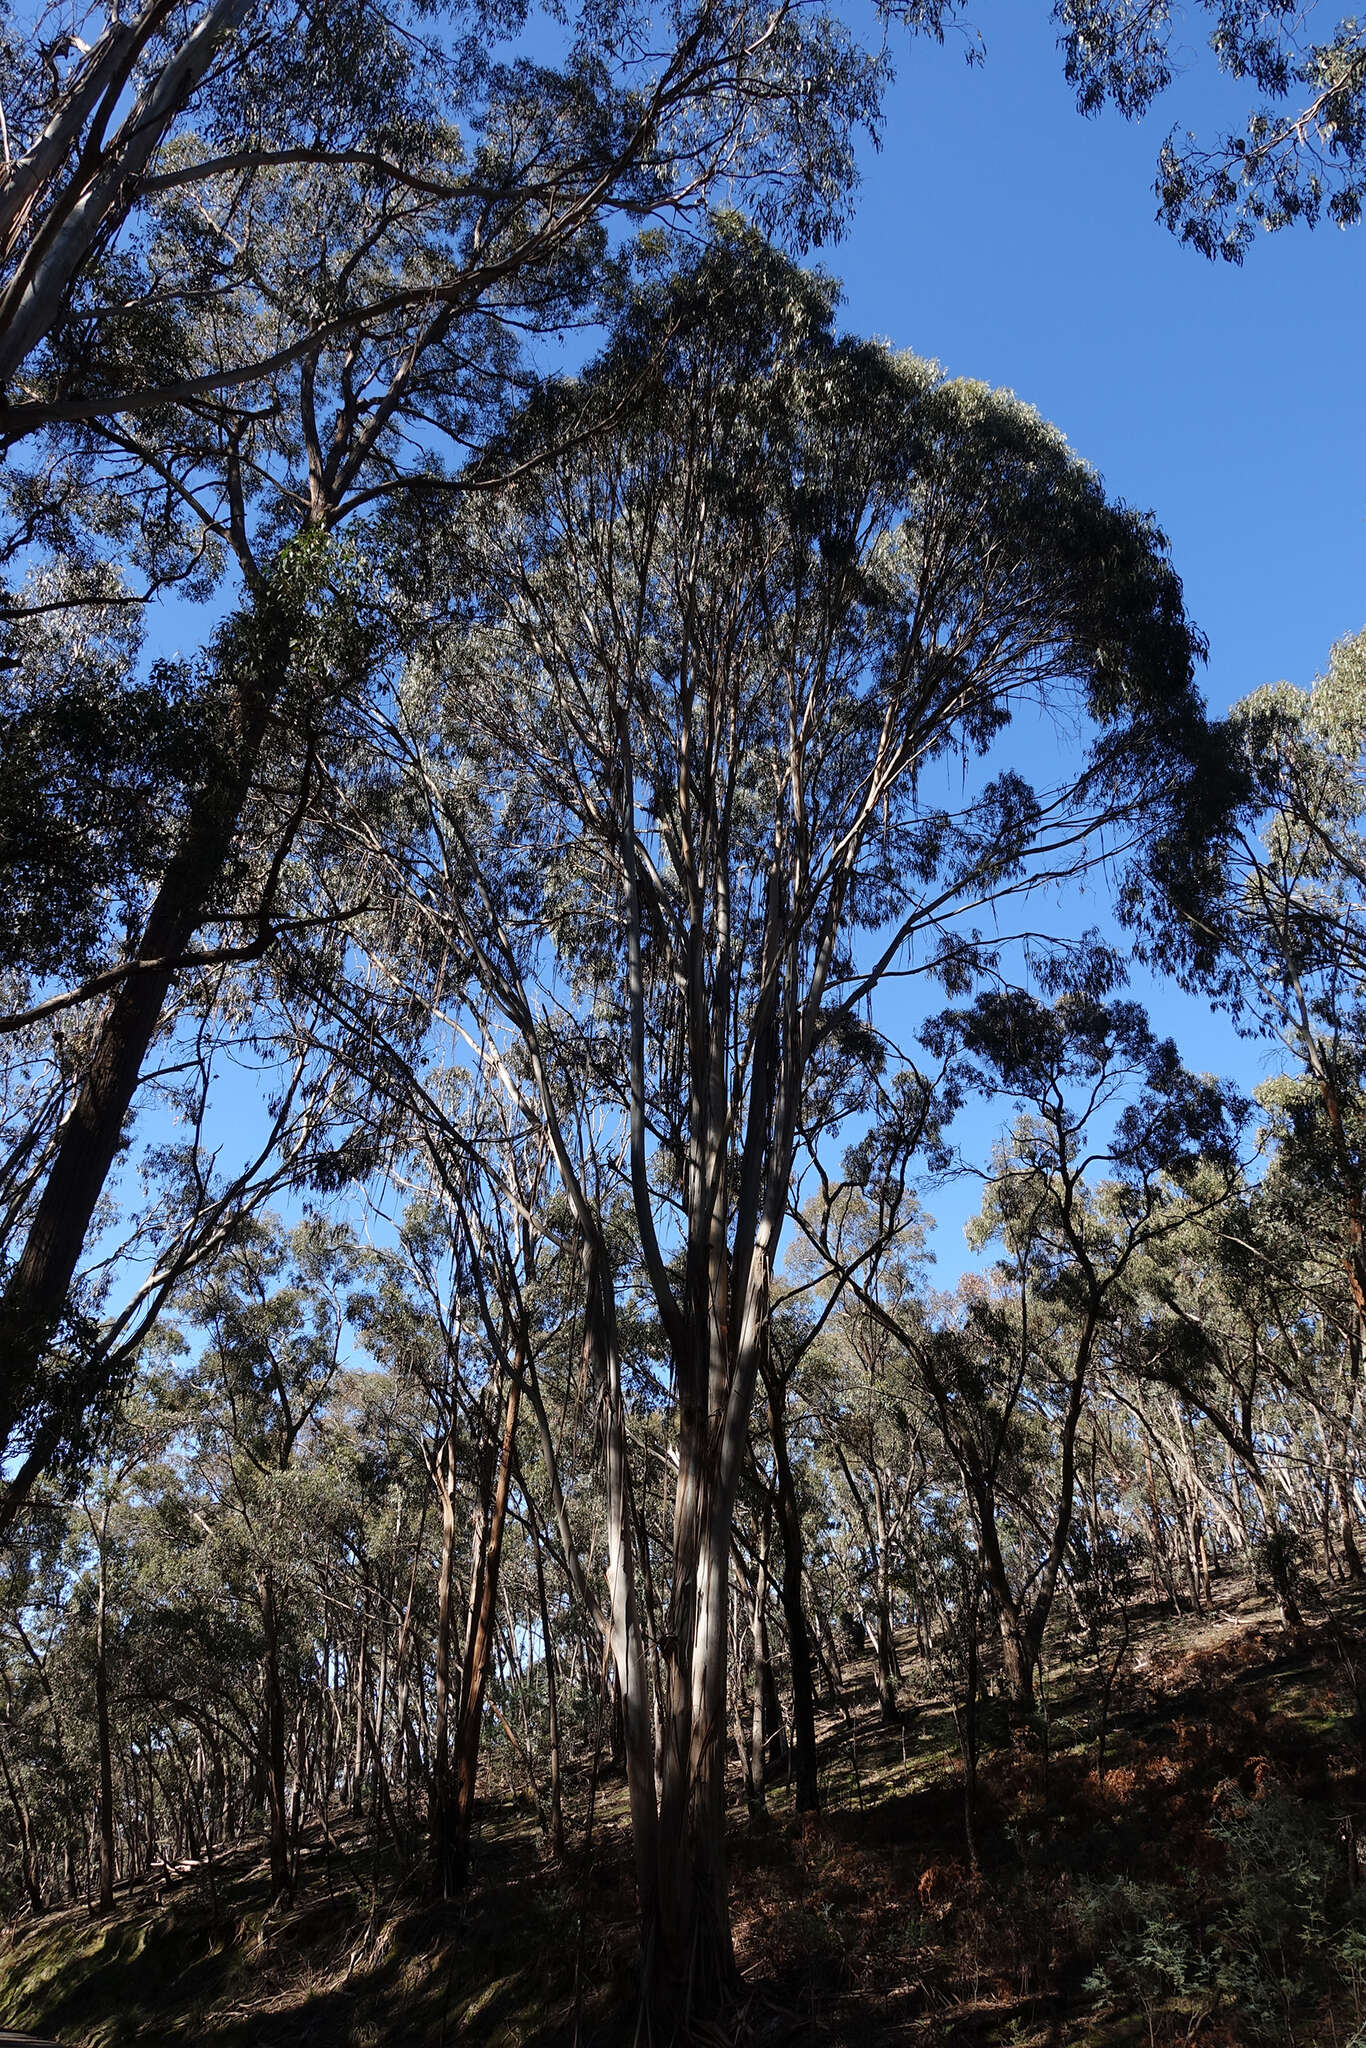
(730,661)
(1291,921)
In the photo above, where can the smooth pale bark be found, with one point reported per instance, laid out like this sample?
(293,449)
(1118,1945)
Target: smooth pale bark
(103,182)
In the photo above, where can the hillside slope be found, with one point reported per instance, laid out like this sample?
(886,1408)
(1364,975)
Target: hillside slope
(1208,1891)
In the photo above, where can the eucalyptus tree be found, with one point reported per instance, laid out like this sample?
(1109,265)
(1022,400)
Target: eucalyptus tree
(101,1499)
(514,132)
(729,660)
(113,128)
(873,1426)
(419,1320)
(792,1331)
(460,1305)
(1164,1465)
(461,1311)
(1289,921)
(1292,913)
(274,1315)
(83,121)
(1233,1323)
(345,234)
(48,1711)
(1307,1269)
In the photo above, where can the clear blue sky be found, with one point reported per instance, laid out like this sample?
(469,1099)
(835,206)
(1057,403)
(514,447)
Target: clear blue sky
(1014,241)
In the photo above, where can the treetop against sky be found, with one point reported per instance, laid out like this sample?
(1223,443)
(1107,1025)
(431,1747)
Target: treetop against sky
(1015,242)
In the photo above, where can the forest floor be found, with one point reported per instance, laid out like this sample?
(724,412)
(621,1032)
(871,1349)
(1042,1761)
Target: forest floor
(1206,1892)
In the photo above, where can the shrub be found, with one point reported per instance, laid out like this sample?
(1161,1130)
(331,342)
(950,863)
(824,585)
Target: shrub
(1284,1933)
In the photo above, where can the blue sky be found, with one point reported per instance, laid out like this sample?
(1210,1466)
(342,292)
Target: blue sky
(1002,234)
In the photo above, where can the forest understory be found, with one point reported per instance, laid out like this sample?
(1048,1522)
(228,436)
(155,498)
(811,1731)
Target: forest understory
(1209,1892)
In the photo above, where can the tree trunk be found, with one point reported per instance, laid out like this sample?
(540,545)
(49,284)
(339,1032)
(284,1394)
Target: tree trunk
(888,1670)
(1351,1552)
(968,1743)
(37,1904)
(106,1811)
(552,1700)
(775,1732)
(697,1961)
(623,1621)
(358,1744)
(886,1649)
(476,1675)
(756,1771)
(1019,1663)
(800,1658)
(104,177)
(275,1742)
(696,1951)
(442,1813)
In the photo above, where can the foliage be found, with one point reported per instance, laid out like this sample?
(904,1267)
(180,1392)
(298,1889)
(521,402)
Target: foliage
(1302,153)
(1281,1936)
